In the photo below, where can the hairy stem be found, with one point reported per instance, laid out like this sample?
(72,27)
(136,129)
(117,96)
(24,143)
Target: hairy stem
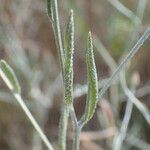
(63,128)
(76,128)
(52,6)
(76,139)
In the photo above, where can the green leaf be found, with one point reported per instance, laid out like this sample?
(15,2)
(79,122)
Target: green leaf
(92,83)
(69,49)
(9,77)
(50,9)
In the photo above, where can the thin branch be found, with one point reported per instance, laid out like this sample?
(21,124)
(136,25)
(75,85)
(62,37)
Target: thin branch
(134,141)
(124,125)
(81,90)
(105,54)
(141,107)
(114,96)
(124,10)
(33,121)
(133,51)
(98,135)
(76,129)
(141,8)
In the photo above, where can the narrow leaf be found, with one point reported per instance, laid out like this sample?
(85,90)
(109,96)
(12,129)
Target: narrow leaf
(92,83)
(69,49)
(50,9)
(9,77)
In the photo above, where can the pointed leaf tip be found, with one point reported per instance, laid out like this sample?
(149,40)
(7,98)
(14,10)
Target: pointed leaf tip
(71,16)
(90,34)
(9,77)
(92,83)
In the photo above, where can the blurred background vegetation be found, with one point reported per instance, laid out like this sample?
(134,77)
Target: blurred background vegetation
(27,43)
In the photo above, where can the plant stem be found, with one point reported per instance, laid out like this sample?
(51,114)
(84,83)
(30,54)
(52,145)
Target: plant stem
(58,37)
(133,51)
(124,10)
(76,139)
(57,33)
(33,121)
(77,129)
(118,141)
(63,128)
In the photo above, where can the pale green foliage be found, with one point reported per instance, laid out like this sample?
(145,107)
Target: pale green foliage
(9,77)
(66,60)
(63,122)
(52,8)
(69,50)
(129,56)
(92,83)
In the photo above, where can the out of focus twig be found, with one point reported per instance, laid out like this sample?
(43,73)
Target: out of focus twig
(124,10)
(97,135)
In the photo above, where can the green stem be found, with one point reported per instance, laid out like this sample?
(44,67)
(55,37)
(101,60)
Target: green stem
(77,129)
(58,37)
(33,121)
(63,128)
(133,51)
(57,32)
(76,140)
